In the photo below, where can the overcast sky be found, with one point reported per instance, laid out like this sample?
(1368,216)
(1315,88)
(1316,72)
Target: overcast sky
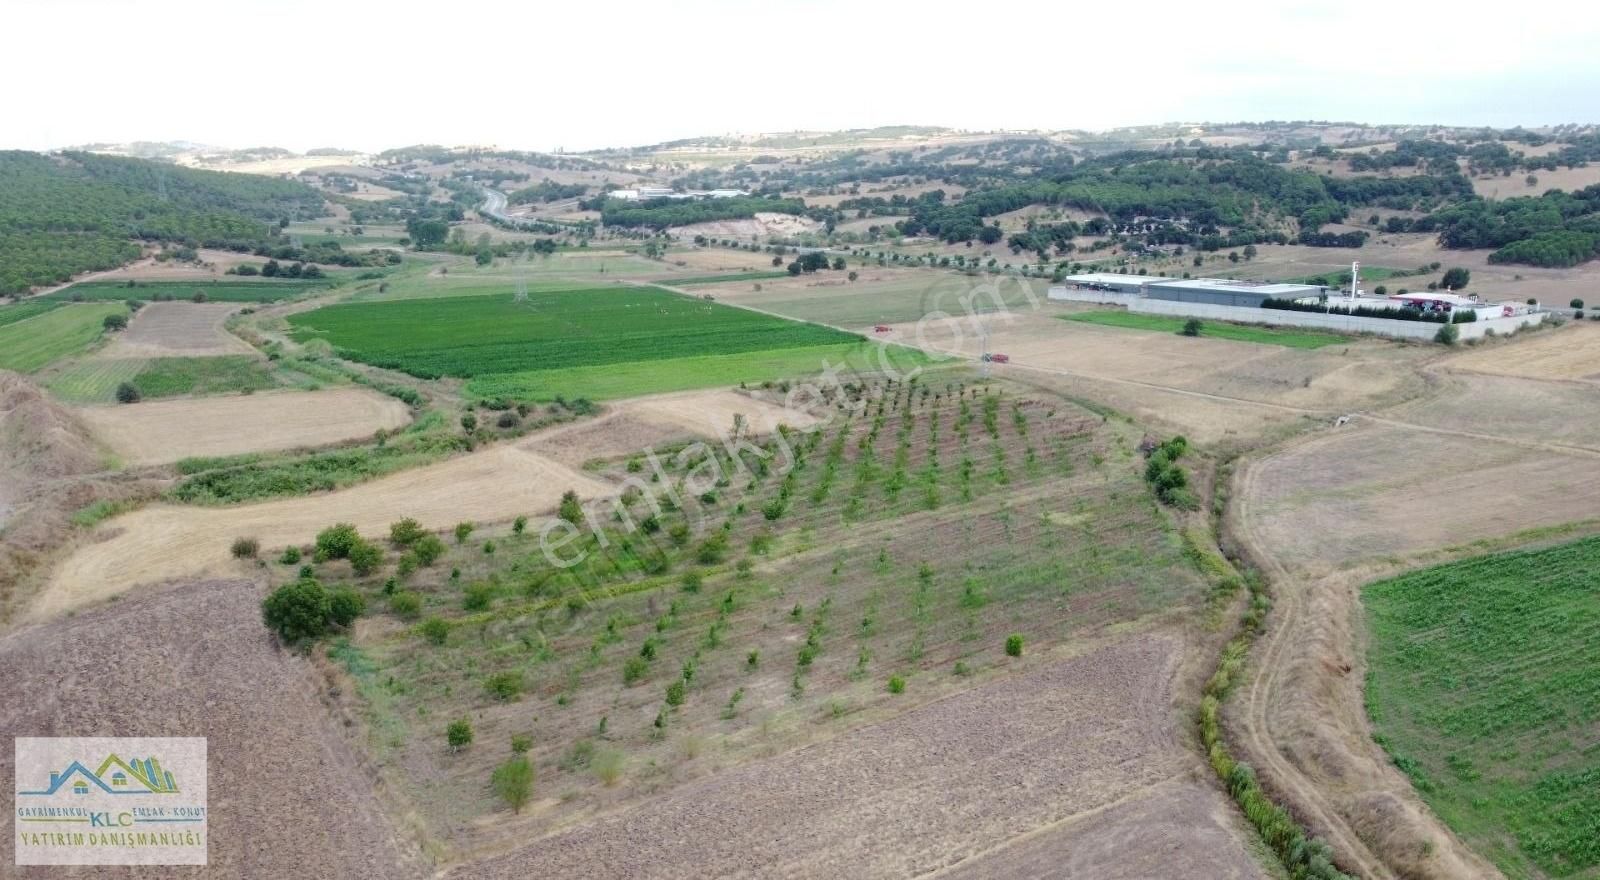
(538,75)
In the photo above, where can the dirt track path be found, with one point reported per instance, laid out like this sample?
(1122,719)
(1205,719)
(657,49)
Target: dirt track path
(1296,660)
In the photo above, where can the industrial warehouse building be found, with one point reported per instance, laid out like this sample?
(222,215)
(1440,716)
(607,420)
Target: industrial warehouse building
(1241,301)
(1222,292)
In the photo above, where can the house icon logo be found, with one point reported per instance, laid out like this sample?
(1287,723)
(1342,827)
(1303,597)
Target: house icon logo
(110,800)
(112,776)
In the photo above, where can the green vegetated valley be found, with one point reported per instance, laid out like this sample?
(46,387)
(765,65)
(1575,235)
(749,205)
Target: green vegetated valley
(1485,689)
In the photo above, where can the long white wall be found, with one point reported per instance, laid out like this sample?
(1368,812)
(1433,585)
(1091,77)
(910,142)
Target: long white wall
(1100,297)
(1339,323)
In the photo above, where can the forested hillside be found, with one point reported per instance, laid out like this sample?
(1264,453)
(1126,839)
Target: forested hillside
(77,212)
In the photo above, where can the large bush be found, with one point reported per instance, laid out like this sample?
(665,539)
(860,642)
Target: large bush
(298,612)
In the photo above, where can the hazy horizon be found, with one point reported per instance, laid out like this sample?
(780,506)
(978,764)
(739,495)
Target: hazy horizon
(368,77)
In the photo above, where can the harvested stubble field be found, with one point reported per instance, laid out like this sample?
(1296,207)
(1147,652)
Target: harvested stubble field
(288,795)
(177,329)
(1376,491)
(889,296)
(1485,689)
(1572,352)
(160,432)
(836,576)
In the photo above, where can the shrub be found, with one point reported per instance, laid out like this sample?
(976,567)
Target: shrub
(291,556)
(1447,335)
(463,531)
(513,782)
(1192,327)
(571,510)
(344,606)
(519,525)
(478,597)
(336,541)
(297,611)
(469,422)
(521,743)
(365,558)
(406,605)
(675,693)
(504,686)
(127,393)
(435,629)
(427,550)
(897,684)
(1014,645)
(713,549)
(245,548)
(507,419)
(1575,304)
(115,322)
(634,669)
(607,767)
(691,581)
(405,532)
(458,734)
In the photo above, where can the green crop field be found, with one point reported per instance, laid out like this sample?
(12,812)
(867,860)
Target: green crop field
(718,279)
(169,377)
(215,291)
(27,345)
(94,380)
(1485,689)
(611,381)
(25,310)
(905,297)
(480,335)
(1214,329)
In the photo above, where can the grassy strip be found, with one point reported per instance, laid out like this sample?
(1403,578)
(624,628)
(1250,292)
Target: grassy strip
(28,345)
(1239,332)
(251,479)
(613,381)
(1304,857)
(25,310)
(215,291)
(1484,689)
(717,279)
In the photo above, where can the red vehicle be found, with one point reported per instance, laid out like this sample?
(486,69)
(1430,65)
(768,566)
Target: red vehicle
(881,328)
(998,358)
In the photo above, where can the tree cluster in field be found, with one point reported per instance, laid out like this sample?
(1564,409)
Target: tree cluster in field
(547,191)
(1167,478)
(74,212)
(663,213)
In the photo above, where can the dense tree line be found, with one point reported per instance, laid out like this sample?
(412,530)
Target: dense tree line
(663,213)
(547,191)
(74,212)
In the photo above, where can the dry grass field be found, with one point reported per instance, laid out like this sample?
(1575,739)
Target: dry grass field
(1573,352)
(164,431)
(177,329)
(166,541)
(1569,179)
(289,796)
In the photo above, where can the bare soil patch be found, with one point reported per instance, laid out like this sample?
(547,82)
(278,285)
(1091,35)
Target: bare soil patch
(711,413)
(176,329)
(1176,828)
(936,786)
(762,225)
(167,541)
(163,431)
(289,797)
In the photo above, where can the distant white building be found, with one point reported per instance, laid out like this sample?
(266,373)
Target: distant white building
(660,192)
